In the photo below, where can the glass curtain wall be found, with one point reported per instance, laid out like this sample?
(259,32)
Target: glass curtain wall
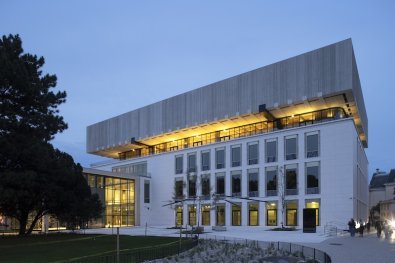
(120,202)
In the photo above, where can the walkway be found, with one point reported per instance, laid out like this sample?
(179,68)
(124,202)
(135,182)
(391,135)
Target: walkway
(367,249)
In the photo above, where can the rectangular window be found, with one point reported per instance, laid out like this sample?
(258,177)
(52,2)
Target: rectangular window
(271,214)
(220,184)
(312,178)
(179,188)
(205,186)
(205,215)
(205,160)
(236,214)
(291,147)
(236,183)
(253,182)
(236,155)
(192,163)
(291,212)
(179,162)
(146,192)
(315,203)
(192,215)
(179,216)
(271,181)
(192,186)
(271,150)
(253,153)
(312,144)
(220,215)
(92,181)
(100,181)
(291,179)
(253,214)
(220,158)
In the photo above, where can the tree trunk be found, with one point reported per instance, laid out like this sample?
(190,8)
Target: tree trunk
(22,224)
(33,224)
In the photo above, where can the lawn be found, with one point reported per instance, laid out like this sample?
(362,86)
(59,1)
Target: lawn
(61,247)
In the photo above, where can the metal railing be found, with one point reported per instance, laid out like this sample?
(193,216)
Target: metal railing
(143,254)
(287,248)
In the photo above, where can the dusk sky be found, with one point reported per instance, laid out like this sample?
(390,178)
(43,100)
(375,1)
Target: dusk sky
(115,56)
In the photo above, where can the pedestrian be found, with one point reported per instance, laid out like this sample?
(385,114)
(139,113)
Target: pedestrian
(379,228)
(351,227)
(368,226)
(361,228)
(387,230)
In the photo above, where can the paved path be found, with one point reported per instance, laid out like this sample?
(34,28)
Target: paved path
(367,249)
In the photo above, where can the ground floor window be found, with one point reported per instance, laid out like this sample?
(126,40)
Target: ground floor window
(119,202)
(253,214)
(220,215)
(271,214)
(179,216)
(192,215)
(205,215)
(236,215)
(316,205)
(291,209)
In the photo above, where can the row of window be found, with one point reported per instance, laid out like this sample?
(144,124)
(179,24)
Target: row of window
(275,178)
(271,153)
(253,213)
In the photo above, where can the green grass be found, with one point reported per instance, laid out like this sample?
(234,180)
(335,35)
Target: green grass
(61,247)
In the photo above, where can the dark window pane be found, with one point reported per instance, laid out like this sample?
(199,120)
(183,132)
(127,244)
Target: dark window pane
(146,192)
(191,163)
(179,165)
(220,158)
(236,156)
(271,151)
(179,189)
(205,161)
(291,148)
(220,185)
(312,145)
(236,184)
(253,153)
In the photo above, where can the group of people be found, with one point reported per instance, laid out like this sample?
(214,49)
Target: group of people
(379,225)
(383,227)
(352,227)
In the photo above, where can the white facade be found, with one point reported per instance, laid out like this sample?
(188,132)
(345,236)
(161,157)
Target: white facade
(343,176)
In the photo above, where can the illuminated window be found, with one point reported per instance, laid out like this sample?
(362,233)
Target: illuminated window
(271,214)
(236,214)
(205,215)
(192,215)
(291,212)
(179,216)
(253,214)
(220,215)
(314,203)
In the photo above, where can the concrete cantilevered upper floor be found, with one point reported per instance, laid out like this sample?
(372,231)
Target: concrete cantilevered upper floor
(320,79)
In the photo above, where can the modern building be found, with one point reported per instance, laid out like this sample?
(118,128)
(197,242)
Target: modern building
(382,194)
(253,149)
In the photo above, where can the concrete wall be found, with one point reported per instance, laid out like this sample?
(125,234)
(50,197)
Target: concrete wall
(326,71)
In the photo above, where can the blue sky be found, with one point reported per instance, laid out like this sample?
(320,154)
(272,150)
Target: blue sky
(115,56)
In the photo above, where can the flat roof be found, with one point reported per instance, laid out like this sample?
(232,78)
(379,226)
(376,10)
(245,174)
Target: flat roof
(322,78)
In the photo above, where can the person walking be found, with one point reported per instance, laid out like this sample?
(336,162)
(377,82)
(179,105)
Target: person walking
(368,226)
(378,228)
(361,228)
(351,227)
